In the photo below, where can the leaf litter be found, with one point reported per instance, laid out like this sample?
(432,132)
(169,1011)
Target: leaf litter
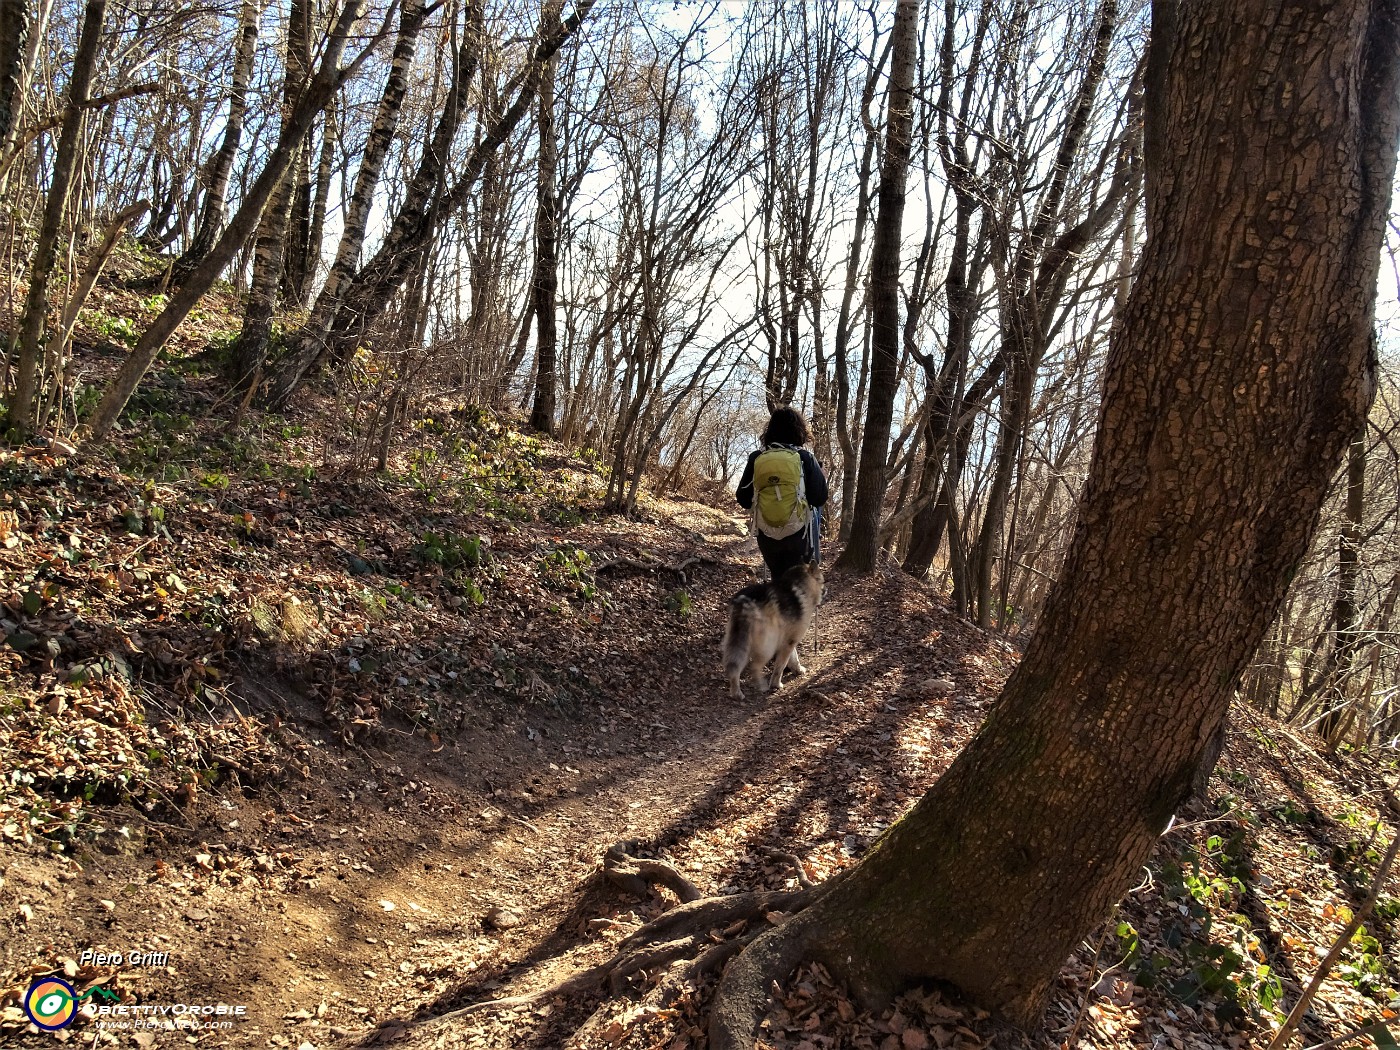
(351,750)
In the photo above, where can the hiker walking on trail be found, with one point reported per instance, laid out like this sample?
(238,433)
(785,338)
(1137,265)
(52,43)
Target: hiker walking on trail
(784,486)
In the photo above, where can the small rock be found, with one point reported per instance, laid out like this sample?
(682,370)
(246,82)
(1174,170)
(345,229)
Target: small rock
(499,918)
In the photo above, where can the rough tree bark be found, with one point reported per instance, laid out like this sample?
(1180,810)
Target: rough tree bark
(14,38)
(861,548)
(1240,373)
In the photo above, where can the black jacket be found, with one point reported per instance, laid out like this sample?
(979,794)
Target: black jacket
(812,479)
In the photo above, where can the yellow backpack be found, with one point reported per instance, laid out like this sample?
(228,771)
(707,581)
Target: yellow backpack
(780,493)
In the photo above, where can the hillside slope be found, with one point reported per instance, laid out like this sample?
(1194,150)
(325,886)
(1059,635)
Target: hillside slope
(349,750)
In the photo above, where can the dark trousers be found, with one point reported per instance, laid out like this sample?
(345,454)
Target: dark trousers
(797,549)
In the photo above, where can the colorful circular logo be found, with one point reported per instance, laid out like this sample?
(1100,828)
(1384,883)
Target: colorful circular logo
(51,1003)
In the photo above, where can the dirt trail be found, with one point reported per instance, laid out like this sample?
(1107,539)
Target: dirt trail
(364,892)
(399,880)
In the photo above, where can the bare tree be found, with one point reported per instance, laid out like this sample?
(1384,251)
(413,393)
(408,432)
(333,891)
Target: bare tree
(274,235)
(672,176)
(886,341)
(306,343)
(29,357)
(847,407)
(1029,278)
(546,275)
(1232,389)
(321,88)
(364,298)
(14,40)
(214,209)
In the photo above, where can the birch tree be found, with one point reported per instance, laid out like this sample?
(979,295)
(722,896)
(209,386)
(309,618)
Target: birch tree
(215,203)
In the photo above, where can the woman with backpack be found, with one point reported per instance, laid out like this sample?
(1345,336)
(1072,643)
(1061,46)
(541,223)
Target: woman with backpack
(784,486)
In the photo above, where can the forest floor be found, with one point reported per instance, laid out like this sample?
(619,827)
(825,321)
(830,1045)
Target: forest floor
(346,749)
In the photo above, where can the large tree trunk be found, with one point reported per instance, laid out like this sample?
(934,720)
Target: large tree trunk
(859,555)
(1240,373)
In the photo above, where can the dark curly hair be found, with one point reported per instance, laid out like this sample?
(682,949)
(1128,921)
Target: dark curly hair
(786,427)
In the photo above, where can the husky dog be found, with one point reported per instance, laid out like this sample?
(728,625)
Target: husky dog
(766,623)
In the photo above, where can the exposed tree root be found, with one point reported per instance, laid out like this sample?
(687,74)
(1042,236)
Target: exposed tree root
(696,928)
(711,930)
(744,992)
(676,982)
(635,875)
(799,871)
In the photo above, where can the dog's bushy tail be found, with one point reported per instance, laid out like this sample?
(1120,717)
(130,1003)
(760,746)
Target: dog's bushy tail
(737,636)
